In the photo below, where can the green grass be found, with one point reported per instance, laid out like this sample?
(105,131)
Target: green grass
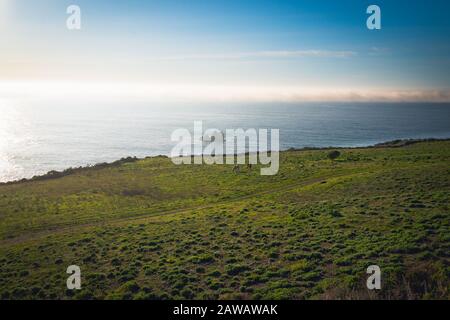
(148,229)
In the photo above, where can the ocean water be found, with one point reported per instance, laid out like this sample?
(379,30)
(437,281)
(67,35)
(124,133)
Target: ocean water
(36,137)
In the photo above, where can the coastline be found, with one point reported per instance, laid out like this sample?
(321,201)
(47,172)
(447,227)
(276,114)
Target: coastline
(54,174)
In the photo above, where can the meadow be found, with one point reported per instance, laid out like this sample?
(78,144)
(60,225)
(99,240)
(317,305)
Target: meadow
(148,229)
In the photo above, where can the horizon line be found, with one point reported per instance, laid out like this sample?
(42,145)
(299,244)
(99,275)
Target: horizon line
(213,93)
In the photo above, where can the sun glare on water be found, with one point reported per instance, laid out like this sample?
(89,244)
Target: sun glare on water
(10,139)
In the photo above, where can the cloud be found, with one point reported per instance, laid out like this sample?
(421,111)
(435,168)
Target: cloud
(279,54)
(377,51)
(183,93)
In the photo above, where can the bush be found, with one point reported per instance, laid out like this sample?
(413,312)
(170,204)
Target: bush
(202,259)
(236,269)
(334,155)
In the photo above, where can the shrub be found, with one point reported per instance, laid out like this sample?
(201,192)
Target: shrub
(333,155)
(202,259)
(236,269)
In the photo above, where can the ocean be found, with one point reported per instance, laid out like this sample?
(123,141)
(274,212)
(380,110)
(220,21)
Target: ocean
(36,137)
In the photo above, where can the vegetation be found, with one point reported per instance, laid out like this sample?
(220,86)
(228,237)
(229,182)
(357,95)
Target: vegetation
(147,229)
(334,155)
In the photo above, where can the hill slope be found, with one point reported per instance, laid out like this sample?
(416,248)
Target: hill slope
(148,229)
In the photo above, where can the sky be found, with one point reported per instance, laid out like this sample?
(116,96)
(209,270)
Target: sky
(227,50)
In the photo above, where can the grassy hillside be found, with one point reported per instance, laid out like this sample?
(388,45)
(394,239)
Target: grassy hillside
(148,229)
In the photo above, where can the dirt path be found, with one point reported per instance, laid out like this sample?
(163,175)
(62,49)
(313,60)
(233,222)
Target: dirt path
(33,234)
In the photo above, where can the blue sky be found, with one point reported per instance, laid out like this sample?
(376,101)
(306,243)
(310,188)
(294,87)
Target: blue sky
(320,46)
